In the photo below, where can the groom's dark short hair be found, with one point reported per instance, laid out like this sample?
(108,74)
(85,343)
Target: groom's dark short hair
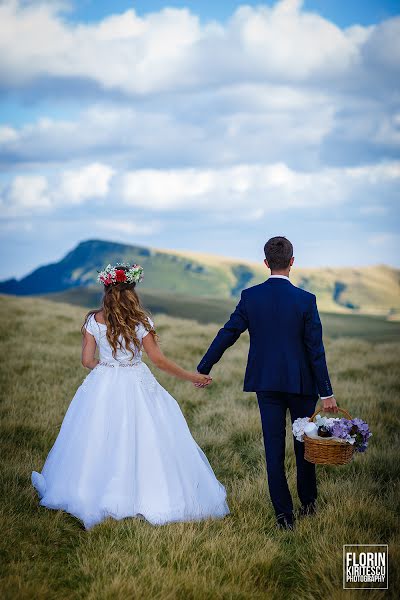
(278,252)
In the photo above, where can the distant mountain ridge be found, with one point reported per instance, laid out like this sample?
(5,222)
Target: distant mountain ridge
(366,290)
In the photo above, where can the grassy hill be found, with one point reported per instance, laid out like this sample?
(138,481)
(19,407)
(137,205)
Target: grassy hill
(368,290)
(201,309)
(364,290)
(47,555)
(214,310)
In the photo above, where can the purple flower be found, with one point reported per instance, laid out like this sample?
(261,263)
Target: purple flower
(354,431)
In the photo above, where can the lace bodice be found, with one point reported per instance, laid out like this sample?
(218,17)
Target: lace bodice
(98,331)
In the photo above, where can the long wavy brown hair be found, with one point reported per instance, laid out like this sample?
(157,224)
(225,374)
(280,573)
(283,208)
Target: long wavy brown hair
(122,312)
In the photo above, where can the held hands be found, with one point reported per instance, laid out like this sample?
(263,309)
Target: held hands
(329,404)
(199,380)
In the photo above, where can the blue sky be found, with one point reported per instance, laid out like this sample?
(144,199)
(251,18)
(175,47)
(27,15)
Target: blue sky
(205,126)
(343,13)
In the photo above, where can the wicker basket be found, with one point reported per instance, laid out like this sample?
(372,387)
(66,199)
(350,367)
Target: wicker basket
(327,451)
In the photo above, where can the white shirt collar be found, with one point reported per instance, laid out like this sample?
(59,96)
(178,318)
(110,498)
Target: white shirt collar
(280,276)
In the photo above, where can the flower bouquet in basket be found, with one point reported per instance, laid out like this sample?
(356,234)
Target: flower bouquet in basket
(331,440)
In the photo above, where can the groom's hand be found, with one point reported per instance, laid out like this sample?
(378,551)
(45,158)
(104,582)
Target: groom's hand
(203,380)
(329,404)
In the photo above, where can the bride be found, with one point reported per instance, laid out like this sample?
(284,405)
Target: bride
(124,448)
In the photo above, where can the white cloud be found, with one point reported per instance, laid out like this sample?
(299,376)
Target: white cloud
(165,190)
(252,190)
(33,194)
(123,51)
(127,227)
(91,181)
(272,84)
(382,47)
(99,130)
(282,42)
(27,194)
(8,134)
(375,173)
(171,50)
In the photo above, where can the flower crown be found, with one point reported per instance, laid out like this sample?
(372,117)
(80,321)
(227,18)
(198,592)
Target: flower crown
(120,273)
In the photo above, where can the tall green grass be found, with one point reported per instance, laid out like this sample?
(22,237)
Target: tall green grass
(47,554)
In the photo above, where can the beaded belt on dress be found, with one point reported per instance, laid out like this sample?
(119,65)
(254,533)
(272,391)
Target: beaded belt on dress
(134,363)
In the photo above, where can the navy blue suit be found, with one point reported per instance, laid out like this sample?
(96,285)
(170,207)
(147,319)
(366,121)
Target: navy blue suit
(286,367)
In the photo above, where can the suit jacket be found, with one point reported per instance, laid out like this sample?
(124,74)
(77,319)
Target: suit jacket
(286,349)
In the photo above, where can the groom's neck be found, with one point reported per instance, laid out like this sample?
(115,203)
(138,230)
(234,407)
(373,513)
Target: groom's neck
(286,272)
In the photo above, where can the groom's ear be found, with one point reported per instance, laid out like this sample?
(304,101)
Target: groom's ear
(291,261)
(266,263)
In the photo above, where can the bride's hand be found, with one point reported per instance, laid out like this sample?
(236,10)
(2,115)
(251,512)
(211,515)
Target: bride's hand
(200,380)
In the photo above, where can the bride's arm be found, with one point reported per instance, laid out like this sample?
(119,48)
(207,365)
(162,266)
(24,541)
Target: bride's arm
(156,356)
(88,351)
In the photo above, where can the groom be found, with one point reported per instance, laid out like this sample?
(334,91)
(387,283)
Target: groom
(286,368)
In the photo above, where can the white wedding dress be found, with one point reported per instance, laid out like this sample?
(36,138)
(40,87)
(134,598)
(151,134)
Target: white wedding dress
(124,449)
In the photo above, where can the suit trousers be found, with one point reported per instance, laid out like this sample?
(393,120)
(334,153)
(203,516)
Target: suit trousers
(273,408)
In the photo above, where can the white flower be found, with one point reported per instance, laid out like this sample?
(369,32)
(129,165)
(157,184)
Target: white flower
(298,427)
(325,421)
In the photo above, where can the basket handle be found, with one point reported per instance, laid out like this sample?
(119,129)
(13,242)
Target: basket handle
(323,410)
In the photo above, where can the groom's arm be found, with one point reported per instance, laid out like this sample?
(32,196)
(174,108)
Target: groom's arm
(316,350)
(225,337)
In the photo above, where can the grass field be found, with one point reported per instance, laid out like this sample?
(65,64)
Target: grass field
(47,555)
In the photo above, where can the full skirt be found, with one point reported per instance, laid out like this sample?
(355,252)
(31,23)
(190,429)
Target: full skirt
(124,450)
